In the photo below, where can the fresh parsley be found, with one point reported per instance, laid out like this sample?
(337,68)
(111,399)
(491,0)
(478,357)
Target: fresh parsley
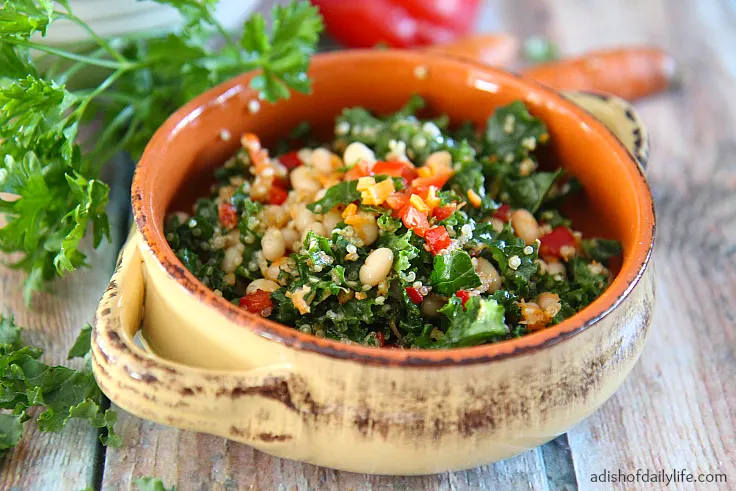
(64,393)
(57,194)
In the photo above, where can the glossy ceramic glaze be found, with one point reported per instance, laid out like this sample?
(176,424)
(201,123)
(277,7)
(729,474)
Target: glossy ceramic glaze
(223,371)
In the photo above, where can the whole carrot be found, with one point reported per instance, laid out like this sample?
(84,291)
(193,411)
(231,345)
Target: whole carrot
(630,73)
(492,49)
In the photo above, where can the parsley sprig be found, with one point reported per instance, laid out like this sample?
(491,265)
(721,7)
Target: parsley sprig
(64,393)
(56,195)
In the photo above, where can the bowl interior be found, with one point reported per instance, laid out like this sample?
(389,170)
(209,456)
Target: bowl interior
(177,164)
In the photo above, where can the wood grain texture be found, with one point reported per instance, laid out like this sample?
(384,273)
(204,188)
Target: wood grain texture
(677,410)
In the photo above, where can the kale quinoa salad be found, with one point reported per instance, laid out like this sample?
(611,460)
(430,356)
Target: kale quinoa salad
(401,232)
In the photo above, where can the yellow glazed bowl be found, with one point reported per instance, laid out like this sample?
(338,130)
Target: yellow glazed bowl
(211,367)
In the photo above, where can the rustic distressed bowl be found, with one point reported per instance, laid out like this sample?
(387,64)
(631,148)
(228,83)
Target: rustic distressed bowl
(208,366)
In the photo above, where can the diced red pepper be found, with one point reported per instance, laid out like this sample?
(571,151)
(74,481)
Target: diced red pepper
(503,212)
(361,169)
(380,338)
(463,295)
(227,214)
(414,220)
(556,240)
(290,160)
(277,196)
(396,169)
(414,295)
(420,185)
(437,239)
(397,201)
(258,302)
(443,212)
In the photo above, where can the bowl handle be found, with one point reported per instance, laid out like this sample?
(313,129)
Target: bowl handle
(218,402)
(620,117)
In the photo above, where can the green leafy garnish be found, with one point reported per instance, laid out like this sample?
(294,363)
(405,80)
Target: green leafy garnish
(453,272)
(602,250)
(481,321)
(26,382)
(57,194)
(339,194)
(513,132)
(529,192)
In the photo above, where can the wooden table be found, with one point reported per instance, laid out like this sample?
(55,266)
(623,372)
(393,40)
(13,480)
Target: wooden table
(675,411)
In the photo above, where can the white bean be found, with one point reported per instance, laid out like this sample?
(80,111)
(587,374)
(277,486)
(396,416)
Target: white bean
(302,180)
(233,258)
(497,224)
(304,219)
(377,266)
(290,236)
(489,277)
(262,284)
(556,267)
(431,304)
(331,219)
(550,303)
(321,159)
(355,152)
(525,226)
(275,215)
(272,244)
(367,229)
(315,227)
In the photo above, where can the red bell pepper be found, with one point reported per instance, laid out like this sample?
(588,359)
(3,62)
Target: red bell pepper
(396,169)
(414,220)
(258,302)
(463,295)
(503,213)
(227,215)
(277,195)
(555,240)
(290,160)
(414,294)
(398,23)
(437,239)
(444,212)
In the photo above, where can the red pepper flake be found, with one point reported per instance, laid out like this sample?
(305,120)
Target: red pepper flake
(463,295)
(503,212)
(552,243)
(277,195)
(258,302)
(380,338)
(290,160)
(227,215)
(437,239)
(414,295)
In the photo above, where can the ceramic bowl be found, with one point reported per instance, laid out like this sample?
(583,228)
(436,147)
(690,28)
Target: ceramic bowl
(211,367)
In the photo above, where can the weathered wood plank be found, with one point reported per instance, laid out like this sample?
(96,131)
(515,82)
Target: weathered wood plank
(677,410)
(195,461)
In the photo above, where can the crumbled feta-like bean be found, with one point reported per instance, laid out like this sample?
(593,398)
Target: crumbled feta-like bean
(528,250)
(514,262)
